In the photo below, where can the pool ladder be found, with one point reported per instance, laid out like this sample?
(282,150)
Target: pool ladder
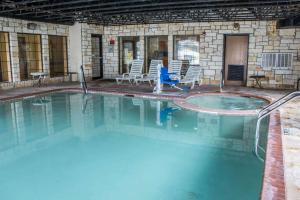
(83,81)
(221,80)
(266,111)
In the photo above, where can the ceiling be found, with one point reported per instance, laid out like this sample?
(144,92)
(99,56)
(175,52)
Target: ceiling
(119,12)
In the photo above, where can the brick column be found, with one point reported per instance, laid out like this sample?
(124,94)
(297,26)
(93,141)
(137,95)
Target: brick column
(14,52)
(170,48)
(45,53)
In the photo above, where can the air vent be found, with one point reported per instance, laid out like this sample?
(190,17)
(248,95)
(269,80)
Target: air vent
(277,60)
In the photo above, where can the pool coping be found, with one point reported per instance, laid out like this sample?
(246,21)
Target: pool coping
(273,183)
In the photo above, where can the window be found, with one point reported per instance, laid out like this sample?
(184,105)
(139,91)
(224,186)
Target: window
(129,50)
(58,55)
(156,49)
(5,72)
(187,48)
(30,57)
(276,60)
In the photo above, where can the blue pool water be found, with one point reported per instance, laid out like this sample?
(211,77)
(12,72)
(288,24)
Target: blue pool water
(226,102)
(74,147)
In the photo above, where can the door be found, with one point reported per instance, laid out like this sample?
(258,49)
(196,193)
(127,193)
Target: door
(97,59)
(236,59)
(128,53)
(23,58)
(156,49)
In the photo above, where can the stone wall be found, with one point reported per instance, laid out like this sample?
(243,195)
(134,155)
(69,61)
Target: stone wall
(15,26)
(86,44)
(262,39)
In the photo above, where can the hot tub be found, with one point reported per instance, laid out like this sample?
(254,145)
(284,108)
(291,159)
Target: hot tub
(224,103)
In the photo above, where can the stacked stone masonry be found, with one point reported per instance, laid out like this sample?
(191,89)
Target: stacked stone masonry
(263,38)
(15,26)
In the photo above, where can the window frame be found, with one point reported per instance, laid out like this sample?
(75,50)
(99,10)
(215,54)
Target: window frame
(67,57)
(175,55)
(9,65)
(41,53)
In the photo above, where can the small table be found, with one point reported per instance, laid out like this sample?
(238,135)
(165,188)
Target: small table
(39,76)
(70,75)
(258,79)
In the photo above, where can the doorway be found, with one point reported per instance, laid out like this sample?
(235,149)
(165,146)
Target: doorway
(58,61)
(236,59)
(156,49)
(129,50)
(97,59)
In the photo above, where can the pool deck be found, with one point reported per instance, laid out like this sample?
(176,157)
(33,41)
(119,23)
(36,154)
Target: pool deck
(284,132)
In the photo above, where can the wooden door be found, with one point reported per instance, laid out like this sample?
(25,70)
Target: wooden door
(97,60)
(236,59)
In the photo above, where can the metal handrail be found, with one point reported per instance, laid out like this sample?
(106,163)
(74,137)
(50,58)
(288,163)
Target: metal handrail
(278,101)
(267,111)
(221,80)
(83,81)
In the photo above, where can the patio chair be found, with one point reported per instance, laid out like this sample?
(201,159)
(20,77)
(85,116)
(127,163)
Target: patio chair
(165,78)
(152,74)
(135,72)
(175,69)
(192,75)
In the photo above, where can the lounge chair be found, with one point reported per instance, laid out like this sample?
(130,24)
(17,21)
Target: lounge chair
(135,72)
(175,69)
(152,74)
(192,75)
(166,78)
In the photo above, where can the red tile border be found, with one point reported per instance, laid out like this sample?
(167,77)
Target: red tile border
(273,187)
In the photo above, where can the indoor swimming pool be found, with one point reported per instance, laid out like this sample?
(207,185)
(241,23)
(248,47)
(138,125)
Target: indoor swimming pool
(73,146)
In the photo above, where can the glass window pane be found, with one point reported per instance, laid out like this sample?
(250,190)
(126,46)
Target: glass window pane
(57,55)
(30,55)
(187,48)
(5,71)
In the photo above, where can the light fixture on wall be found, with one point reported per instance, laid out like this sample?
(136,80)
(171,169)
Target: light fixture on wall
(236,26)
(32,26)
(272,29)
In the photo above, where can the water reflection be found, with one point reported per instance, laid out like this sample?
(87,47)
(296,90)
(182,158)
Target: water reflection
(50,119)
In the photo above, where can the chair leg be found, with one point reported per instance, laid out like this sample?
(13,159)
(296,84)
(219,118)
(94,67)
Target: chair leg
(176,87)
(193,85)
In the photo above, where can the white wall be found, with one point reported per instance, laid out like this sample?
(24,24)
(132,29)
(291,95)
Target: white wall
(75,58)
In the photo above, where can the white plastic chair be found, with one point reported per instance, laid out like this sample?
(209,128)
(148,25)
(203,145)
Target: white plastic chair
(152,74)
(134,74)
(175,67)
(192,76)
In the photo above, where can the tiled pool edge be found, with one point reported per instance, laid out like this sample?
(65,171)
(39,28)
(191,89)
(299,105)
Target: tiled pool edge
(273,187)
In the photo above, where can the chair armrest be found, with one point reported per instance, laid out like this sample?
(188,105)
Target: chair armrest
(144,75)
(125,74)
(138,76)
